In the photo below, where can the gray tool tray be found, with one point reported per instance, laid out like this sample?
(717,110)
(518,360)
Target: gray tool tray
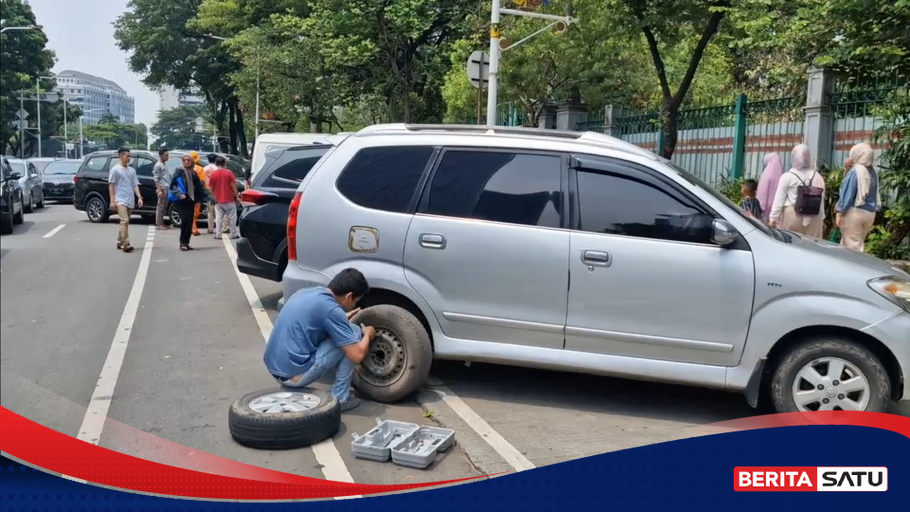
(407,444)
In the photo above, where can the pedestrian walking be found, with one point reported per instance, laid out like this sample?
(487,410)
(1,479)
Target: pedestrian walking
(314,334)
(860,198)
(799,204)
(209,169)
(767,185)
(123,187)
(223,186)
(200,172)
(162,176)
(186,191)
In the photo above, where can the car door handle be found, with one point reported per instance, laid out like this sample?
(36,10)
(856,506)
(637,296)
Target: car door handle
(432,241)
(596,258)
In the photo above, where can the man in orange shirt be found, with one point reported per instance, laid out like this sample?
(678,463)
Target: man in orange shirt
(198,208)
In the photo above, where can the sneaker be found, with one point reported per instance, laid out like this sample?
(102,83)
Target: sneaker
(217,237)
(127,248)
(350,403)
(119,246)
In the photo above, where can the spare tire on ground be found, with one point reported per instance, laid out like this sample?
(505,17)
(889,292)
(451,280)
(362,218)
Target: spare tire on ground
(284,418)
(398,360)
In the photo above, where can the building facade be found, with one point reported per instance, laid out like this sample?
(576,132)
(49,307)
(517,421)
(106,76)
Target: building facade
(170,98)
(95,93)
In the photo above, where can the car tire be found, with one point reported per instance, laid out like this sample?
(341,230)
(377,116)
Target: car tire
(40,204)
(792,376)
(30,206)
(174,216)
(285,427)
(399,358)
(19,218)
(97,210)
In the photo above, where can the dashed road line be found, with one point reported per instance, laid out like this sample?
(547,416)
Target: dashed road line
(100,404)
(54,231)
(326,453)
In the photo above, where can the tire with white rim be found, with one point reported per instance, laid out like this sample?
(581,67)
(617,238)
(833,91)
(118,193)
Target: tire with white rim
(283,418)
(830,375)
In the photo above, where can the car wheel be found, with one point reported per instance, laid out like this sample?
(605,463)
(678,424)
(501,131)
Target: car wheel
(19,218)
(30,205)
(830,375)
(174,215)
(282,418)
(40,203)
(97,210)
(398,360)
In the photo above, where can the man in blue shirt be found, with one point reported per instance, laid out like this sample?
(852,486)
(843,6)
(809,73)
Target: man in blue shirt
(313,333)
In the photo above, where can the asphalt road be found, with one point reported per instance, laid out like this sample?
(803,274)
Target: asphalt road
(164,341)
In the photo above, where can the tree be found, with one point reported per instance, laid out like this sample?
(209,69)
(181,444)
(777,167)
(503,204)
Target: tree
(168,50)
(111,134)
(176,128)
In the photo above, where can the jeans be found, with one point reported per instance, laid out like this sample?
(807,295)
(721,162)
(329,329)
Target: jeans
(185,209)
(223,210)
(123,236)
(327,356)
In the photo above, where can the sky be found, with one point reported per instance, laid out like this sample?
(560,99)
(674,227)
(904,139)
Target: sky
(81,33)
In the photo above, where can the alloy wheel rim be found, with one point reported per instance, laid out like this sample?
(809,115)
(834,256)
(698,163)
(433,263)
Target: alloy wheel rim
(284,401)
(94,209)
(831,384)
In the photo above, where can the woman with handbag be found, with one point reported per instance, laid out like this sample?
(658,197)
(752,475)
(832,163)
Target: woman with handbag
(799,204)
(187,190)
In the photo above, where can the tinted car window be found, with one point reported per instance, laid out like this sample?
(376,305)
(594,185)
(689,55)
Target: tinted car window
(18,167)
(143,165)
(384,178)
(62,167)
(96,163)
(498,186)
(286,169)
(618,204)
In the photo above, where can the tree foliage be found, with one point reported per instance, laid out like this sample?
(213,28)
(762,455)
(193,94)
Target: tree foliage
(111,134)
(176,128)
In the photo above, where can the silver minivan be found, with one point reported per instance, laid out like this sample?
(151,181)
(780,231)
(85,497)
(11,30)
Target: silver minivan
(580,252)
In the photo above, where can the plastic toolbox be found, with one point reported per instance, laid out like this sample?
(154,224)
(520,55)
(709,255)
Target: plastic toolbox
(377,443)
(419,448)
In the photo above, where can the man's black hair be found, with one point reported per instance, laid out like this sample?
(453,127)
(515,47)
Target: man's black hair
(220,161)
(751,185)
(349,280)
(162,151)
(212,158)
(121,151)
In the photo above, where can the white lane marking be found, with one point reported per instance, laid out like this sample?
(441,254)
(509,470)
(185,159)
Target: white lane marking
(93,423)
(479,425)
(54,231)
(326,453)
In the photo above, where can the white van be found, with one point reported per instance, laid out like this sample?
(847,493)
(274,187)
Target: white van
(269,141)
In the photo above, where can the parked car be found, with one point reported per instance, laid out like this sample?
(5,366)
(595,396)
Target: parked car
(41,163)
(59,179)
(31,183)
(12,201)
(262,247)
(267,142)
(580,252)
(91,193)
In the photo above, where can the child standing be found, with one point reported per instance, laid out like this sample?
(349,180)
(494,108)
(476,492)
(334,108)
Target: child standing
(750,203)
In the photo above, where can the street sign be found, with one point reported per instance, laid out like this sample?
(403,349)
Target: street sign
(51,97)
(22,114)
(479,69)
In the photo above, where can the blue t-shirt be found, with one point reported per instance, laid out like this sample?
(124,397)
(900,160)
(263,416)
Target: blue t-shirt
(307,319)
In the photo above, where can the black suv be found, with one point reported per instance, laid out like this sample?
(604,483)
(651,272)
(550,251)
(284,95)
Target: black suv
(91,186)
(262,250)
(12,204)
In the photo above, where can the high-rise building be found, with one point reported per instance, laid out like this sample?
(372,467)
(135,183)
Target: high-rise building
(170,98)
(95,93)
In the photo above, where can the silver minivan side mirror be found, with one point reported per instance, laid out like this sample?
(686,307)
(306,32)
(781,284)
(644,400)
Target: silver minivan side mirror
(723,233)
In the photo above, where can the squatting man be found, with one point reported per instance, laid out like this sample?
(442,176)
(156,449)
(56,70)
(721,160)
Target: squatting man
(314,333)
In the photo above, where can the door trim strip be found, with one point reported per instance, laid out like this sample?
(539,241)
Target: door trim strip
(644,339)
(503,322)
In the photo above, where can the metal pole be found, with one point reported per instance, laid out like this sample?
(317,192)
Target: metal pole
(22,125)
(493,85)
(38,107)
(214,133)
(258,72)
(81,140)
(66,135)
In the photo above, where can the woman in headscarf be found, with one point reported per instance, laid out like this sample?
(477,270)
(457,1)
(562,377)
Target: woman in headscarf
(860,198)
(767,186)
(783,211)
(187,191)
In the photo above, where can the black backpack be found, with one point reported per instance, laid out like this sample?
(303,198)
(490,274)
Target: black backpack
(808,197)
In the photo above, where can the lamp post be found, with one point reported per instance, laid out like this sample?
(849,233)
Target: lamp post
(81,142)
(38,107)
(26,27)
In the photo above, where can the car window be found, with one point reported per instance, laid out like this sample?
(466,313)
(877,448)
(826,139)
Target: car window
(32,170)
(289,168)
(498,186)
(68,167)
(96,163)
(18,167)
(621,204)
(384,178)
(143,165)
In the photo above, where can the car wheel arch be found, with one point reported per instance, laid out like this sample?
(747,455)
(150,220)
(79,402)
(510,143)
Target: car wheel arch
(380,296)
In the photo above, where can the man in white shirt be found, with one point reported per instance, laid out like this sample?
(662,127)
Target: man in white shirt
(123,186)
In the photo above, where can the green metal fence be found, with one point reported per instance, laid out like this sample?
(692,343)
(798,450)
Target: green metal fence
(855,105)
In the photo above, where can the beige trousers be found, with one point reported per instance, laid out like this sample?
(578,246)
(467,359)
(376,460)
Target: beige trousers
(792,221)
(123,236)
(855,226)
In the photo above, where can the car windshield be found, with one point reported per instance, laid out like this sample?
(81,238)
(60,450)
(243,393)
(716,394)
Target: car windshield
(18,167)
(777,234)
(65,168)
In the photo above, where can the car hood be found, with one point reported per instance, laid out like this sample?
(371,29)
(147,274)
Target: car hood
(832,250)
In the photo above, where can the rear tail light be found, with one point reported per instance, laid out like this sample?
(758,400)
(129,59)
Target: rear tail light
(75,179)
(252,197)
(292,226)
